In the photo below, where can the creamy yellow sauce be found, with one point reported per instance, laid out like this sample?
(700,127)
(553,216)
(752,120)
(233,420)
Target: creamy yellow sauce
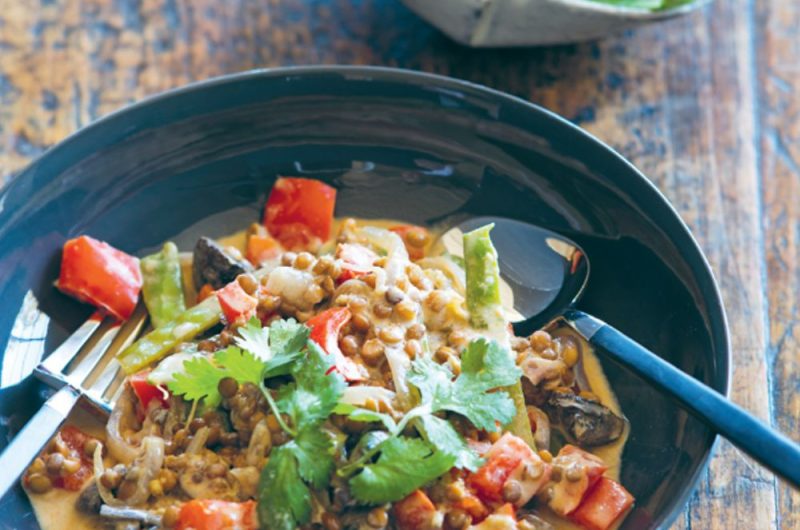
(56,509)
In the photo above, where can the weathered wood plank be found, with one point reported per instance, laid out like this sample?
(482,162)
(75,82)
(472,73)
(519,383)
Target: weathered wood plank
(679,99)
(779,82)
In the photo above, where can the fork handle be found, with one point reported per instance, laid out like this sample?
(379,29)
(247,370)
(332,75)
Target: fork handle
(30,441)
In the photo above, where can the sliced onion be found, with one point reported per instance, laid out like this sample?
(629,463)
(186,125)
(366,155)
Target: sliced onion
(260,444)
(150,462)
(396,253)
(123,414)
(456,274)
(542,422)
(99,469)
(360,394)
(199,441)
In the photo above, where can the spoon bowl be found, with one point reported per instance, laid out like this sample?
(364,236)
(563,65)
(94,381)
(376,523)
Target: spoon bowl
(547,273)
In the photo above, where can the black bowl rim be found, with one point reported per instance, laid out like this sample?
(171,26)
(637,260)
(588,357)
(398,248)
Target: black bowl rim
(691,250)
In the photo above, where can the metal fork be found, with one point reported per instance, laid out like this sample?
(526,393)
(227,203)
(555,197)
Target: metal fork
(83,366)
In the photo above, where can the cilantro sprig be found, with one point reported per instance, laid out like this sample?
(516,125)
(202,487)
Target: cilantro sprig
(260,353)
(301,407)
(404,463)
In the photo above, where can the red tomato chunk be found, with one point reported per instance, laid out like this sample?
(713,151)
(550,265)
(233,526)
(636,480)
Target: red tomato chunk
(415,512)
(603,505)
(325,328)
(208,514)
(299,212)
(237,305)
(509,458)
(95,272)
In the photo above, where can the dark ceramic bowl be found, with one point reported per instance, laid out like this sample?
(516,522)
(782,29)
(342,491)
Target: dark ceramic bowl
(422,148)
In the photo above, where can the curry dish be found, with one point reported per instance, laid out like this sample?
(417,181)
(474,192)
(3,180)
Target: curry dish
(330,374)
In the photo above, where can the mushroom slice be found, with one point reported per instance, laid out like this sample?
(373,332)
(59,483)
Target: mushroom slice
(588,422)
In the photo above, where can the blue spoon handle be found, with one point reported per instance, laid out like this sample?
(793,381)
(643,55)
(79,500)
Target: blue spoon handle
(772,449)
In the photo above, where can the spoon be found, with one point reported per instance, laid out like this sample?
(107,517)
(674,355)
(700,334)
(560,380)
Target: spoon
(547,273)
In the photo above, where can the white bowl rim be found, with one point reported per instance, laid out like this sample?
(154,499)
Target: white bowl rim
(631,12)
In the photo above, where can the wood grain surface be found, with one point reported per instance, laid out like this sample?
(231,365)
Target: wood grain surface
(706,105)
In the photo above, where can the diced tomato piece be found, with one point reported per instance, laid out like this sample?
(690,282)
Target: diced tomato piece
(147,392)
(567,495)
(299,212)
(415,239)
(95,272)
(205,291)
(209,514)
(509,458)
(261,248)
(325,328)
(472,505)
(236,304)
(415,512)
(603,505)
(357,260)
(75,439)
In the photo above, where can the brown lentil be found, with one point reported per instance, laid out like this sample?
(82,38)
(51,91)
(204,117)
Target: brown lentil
(394,295)
(288,258)
(569,352)
(126,489)
(70,466)
(349,345)
(168,479)
(196,425)
(272,424)
(372,351)
(369,279)
(417,237)
(415,331)
(436,300)
(391,334)
(546,455)
(512,491)
(360,322)
(110,479)
(327,284)
(170,517)
(405,311)
(540,340)
(37,466)
(574,472)
(456,520)
(377,517)
(533,471)
(444,353)
(455,366)
(248,283)
(217,470)
(206,345)
(155,488)
(556,474)
(382,310)
(322,265)
(228,387)
(549,354)
(518,344)
(54,463)
(413,348)
(303,261)
(39,483)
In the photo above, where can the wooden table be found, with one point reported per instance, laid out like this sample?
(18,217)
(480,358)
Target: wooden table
(707,106)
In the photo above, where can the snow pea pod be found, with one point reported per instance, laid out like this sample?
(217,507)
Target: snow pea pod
(162,288)
(486,312)
(162,340)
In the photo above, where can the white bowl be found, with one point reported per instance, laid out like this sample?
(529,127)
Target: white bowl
(486,23)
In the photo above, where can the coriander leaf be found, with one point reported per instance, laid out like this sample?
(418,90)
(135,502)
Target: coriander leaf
(243,366)
(365,415)
(287,336)
(313,449)
(284,502)
(199,379)
(255,339)
(485,366)
(315,391)
(404,465)
(441,434)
